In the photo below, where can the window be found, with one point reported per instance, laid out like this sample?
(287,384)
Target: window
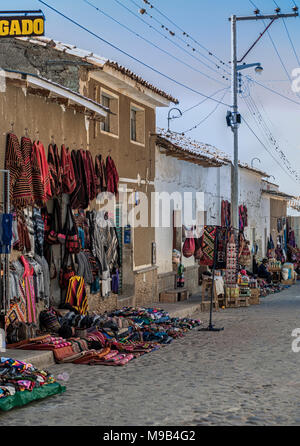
(105,101)
(133,124)
(111,123)
(137,124)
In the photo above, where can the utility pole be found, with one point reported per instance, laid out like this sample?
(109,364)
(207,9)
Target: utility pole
(233,117)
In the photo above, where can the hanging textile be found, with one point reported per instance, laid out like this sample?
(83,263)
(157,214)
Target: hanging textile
(40,174)
(38,225)
(82,223)
(55,170)
(13,162)
(76,295)
(243,217)
(23,242)
(244,251)
(225,214)
(231,261)
(5,233)
(100,172)
(93,177)
(68,176)
(208,245)
(22,188)
(28,287)
(221,248)
(112,176)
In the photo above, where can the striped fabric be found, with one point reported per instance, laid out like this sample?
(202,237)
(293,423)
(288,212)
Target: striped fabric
(76,295)
(40,174)
(21,187)
(13,161)
(28,286)
(55,170)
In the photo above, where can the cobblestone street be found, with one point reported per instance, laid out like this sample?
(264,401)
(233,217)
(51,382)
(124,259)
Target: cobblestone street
(245,375)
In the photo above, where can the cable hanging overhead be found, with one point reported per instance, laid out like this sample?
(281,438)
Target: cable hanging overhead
(130,56)
(174,34)
(151,43)
(174,43)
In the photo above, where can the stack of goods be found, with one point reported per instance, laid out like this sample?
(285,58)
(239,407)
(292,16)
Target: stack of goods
(231,262)
(108,339)
(243,281)
(21,383)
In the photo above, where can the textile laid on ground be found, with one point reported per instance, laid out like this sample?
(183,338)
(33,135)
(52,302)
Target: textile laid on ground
(107,339)
(208,245)
(21,383)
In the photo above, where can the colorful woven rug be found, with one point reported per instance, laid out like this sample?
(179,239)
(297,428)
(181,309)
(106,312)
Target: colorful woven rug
(208,245)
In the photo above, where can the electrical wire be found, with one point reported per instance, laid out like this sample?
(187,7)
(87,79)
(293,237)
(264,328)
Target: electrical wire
(291,42)
(184,33)
(204,100)
(268,134)
(151,43)
(172,33)
(172,42)
(130,56)
(270,153)
(206,117)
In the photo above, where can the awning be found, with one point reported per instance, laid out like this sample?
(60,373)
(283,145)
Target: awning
(57,93)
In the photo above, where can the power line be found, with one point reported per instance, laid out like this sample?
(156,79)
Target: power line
(204,100)
(184,33)
(130,56)
(172,42)
(151,43)
(271,139)
(252,131)
(206,117)
(291,42)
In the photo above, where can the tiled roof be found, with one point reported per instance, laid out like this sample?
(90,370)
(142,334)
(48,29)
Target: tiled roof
(204,150)
(94,59)
(278,194)
(191,146)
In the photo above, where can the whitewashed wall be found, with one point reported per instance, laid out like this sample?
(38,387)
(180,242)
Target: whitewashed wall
(181,176)
(173,175)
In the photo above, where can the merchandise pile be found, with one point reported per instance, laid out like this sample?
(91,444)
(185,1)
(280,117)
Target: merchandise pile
(113,338)
(21,383)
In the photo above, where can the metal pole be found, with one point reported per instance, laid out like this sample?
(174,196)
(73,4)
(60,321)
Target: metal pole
(235,167)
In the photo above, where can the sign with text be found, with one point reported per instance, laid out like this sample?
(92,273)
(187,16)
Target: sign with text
(22,26)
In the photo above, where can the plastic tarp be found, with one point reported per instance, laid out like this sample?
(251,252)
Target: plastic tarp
(22,398)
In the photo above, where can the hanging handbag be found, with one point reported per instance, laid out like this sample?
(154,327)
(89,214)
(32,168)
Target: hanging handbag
(52,237)
(72,238)
(66,271)
(198,254)
(188,248)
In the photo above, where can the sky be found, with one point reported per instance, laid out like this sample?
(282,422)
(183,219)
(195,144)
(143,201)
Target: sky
(207,23)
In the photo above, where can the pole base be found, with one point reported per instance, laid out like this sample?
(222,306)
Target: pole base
(211,328)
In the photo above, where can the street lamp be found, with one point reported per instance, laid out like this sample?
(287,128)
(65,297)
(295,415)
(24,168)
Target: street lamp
(233,117)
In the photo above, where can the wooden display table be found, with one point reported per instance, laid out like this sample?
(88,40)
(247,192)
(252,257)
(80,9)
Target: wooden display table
(276,274)
(206,285)
(255,295)
(174,295)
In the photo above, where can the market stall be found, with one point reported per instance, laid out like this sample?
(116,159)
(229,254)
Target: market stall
(60,243)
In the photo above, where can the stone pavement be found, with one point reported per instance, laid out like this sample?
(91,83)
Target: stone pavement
(244,375)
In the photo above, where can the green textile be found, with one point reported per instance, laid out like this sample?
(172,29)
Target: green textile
(22,398)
